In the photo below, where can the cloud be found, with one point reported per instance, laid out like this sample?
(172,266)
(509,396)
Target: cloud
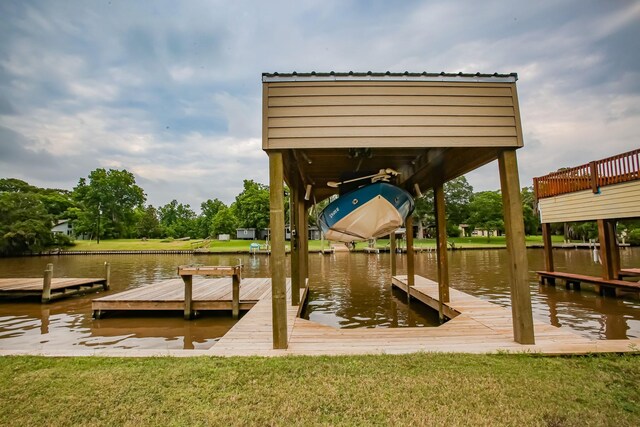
(172,91)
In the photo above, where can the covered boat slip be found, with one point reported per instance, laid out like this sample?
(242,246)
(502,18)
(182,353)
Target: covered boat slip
(477,326)
(430,128)
(605,191)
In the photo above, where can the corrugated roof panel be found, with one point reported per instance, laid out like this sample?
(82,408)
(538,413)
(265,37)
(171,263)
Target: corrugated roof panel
(390,76)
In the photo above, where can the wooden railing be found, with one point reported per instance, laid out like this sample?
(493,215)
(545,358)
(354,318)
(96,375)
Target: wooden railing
(612,170)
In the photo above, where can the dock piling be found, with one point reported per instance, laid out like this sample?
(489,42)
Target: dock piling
(107,275)
(46,283)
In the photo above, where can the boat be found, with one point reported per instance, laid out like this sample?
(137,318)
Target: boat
(368,212)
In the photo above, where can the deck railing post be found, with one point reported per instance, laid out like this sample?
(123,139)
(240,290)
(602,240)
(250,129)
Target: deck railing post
(46,283)
(594,177)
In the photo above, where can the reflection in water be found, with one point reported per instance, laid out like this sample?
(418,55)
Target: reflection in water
(347,291)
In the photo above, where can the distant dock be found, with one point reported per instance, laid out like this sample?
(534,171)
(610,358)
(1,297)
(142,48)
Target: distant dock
(49,289)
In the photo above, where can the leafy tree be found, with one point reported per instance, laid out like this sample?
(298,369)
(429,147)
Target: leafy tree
(208,209)
(25,225)
(486,211)
(251,207)
(531,220)
(148,224)
(457,194)
(111,195)
(177,220)
(224,222)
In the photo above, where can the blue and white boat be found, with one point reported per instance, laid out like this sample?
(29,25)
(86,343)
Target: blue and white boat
(368,212)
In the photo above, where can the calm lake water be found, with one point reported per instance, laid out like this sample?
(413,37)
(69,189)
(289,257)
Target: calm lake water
(347,291)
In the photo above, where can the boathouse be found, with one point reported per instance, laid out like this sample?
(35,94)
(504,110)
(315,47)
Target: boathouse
(430,127)
(605,191)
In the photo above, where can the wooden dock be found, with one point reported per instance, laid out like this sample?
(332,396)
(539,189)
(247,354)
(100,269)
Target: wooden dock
(477,326)
(601,286)
(48,288)
(207,294)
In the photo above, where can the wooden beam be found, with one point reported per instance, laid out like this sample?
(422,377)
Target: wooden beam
(46,283)
(107,275)
(278,279)
(410,253)
(441,247)
(608,250)
(222,271)
(303,240)
(295,242)
(188,296)
(548,246)
(235,296)
(516,249)
(392,252)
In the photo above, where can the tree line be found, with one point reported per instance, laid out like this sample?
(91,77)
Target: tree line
(110,205)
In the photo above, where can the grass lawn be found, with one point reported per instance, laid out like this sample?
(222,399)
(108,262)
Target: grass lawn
(243,245)
(419,389)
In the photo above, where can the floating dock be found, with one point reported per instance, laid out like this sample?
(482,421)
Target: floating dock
(475,326)
(49,289)
(207,295)
(600,285)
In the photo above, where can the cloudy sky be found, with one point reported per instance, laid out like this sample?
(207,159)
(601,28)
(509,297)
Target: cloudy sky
(171,90)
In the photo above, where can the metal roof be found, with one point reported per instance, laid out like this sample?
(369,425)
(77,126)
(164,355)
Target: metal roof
(389,76)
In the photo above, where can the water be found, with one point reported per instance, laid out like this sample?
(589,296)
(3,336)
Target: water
(347,291)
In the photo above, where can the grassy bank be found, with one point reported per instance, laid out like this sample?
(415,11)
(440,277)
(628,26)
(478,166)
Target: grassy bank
(421,389)
(243,245)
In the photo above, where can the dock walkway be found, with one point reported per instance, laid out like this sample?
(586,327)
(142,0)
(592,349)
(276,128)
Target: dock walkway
(208,294)
(477,326)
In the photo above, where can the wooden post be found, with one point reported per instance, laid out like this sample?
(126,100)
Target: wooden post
(614,250)
(188,296)
(107,276)
(411,280)
(46,283)
(278,279)
(392,252)
(441,244)
(303,242)
(608,250)
(235,294)
(548,247)
(295,242)
(517,252)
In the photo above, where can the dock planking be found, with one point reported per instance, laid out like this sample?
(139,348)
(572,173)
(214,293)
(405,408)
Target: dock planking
(60,287)
(207,294)
(476,326)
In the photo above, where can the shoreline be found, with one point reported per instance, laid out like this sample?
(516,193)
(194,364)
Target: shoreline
(213,251)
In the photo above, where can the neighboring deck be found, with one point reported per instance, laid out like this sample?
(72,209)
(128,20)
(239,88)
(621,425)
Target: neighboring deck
(601,286)
(478,327)
(208,294)
(60,287)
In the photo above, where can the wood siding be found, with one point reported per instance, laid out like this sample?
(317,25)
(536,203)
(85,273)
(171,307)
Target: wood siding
(390,114)
(613,202)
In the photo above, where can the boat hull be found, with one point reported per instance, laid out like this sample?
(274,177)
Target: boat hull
(366,213)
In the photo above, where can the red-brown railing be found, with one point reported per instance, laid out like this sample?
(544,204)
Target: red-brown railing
(612,170)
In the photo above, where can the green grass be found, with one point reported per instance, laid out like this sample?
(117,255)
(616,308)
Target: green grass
(419,389)
(243,245)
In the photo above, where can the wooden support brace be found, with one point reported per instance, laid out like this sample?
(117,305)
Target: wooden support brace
(46,284)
